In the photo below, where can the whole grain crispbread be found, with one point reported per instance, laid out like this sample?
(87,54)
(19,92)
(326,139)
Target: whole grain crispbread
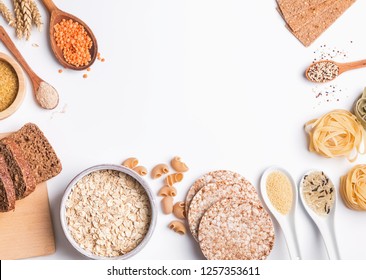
(297,21)
(218,176)
(215,191)
(308,33)
(7,190)
(18,167)
(39,153)
(289,8)
(236,229)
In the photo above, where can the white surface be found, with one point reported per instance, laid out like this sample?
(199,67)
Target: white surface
(219,83)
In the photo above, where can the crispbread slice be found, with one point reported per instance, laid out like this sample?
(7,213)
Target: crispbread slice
(236,229)
(312,30)
(297,21)
(213,192)
(218,176)
(289,8)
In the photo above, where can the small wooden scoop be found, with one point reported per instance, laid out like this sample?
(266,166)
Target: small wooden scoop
(56,16)
(323,76)
(46,95)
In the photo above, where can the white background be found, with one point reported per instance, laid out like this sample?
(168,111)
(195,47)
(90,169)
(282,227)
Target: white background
(219,83)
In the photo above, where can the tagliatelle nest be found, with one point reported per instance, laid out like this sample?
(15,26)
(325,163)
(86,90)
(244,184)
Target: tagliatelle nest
(353,188)
(337,133)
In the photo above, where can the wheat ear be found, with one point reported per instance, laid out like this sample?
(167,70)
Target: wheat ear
(8,16)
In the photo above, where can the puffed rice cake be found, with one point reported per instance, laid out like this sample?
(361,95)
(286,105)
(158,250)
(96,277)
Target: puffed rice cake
(221,184)
(236,229)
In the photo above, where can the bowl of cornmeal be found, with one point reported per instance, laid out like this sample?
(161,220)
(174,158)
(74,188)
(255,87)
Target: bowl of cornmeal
(12,86)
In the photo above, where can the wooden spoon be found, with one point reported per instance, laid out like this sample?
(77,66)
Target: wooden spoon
(324,75)
(56,16)
(46,95)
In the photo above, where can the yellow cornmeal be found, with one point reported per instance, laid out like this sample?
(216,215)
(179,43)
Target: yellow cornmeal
(279,191)
(8,85)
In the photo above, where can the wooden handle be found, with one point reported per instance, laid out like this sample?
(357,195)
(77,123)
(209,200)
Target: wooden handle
(4,37)
(353,65)
(49,5)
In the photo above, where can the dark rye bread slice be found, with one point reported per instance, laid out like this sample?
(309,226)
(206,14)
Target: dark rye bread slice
(19,170)
(38,152)
(7,191)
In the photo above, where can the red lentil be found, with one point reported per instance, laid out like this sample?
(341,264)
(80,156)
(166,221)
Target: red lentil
(74,42)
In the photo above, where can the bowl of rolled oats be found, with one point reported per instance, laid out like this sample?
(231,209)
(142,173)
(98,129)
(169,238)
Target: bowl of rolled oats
(108,212)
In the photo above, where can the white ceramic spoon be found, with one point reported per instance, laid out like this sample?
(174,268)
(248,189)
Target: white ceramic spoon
(286,222)
(324,223)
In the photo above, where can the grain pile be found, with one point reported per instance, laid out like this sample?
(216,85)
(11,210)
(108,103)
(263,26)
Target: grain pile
(307,20)
(108,213)
(279,191)
(227,218)
(318,191)
(9,85)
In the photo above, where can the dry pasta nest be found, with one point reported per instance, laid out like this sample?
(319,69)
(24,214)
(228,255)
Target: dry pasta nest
(337,133)
(353,188)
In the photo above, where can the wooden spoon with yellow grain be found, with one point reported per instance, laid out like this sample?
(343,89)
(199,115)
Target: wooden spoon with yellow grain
(45,94)
(68,21)
(327,70)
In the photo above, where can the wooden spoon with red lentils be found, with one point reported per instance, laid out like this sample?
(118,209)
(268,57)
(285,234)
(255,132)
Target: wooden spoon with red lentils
(72,41)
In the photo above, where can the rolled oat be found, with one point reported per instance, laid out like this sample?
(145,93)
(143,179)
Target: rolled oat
(108,213)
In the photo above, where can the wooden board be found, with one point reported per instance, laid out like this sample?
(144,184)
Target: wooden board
(27,231)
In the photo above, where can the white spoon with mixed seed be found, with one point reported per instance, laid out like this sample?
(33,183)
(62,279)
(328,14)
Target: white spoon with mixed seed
(318,196)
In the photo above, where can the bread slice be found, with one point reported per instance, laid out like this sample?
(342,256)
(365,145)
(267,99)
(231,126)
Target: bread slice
(7,191)
(19,170)
(38,152)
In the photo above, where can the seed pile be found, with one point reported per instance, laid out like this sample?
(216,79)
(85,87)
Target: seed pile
(323,71)
(279,190)
(9,85)
(108,213)
(318,191)
(74,42)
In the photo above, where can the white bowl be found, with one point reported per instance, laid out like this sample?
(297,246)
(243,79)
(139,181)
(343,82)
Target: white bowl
(115,168)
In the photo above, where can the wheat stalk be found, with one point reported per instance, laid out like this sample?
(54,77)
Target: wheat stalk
(8,16)
(36,16)
(19,19)
(27,17)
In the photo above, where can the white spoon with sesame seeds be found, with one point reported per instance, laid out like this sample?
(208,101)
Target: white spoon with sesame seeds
(324,221)
(327,70)
(286,221)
